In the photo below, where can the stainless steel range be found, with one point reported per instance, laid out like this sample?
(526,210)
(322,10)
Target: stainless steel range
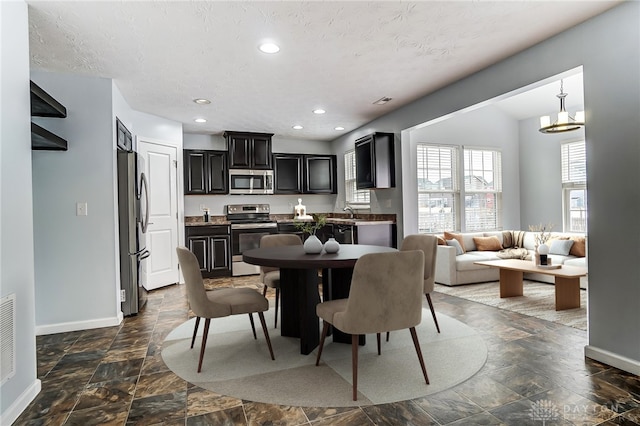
(249,222)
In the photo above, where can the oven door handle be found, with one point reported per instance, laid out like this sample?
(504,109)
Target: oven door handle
(253,225)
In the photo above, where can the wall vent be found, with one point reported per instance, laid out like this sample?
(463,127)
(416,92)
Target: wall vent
(7,337)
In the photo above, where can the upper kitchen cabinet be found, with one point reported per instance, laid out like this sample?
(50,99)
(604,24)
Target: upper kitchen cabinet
(205,172)
(249,150)
(375,161)
(287,170)
(320,174)
(305,174)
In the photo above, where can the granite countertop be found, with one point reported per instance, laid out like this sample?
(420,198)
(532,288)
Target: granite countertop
(332,218)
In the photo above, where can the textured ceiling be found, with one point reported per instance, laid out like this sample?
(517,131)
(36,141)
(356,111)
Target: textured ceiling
(340,56)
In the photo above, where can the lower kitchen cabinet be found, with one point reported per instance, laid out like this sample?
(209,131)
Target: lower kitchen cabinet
(371,234)
(212,247)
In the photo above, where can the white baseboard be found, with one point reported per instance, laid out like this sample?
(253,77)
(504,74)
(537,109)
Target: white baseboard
(19,405)
(65,327)
(623,363)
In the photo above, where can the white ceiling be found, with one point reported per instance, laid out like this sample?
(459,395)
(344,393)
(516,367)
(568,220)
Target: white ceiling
(340,56)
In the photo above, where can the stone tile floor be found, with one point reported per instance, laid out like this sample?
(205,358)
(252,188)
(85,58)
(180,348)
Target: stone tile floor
(536,374)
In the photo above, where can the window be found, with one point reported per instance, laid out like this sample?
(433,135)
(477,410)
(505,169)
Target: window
(438,191)
(353,195)
(482,189)
(574,186)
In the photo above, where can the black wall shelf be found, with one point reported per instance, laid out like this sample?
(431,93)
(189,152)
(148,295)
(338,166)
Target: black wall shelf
(44,105)
(44,140)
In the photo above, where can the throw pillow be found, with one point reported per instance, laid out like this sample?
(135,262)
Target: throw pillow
(507,239)
(579,247)
(441,241)
(458,237)
(560,247)
(456,244)
(487,243)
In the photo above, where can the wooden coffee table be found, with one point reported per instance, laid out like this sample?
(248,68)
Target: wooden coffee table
(567,280)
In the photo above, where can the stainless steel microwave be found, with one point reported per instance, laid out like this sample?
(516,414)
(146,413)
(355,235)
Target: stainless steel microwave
(243,181)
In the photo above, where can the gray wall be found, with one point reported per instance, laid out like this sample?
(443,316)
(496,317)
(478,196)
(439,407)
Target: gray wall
(16,217)
(608,48)
(75,255)
(280,204)
(540,174)
(486,127)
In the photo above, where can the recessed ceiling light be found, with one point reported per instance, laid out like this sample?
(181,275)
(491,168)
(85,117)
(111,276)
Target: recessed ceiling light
(200,120)
(319,111)
(298,127)
(202,101)
(339,128)
(269,48)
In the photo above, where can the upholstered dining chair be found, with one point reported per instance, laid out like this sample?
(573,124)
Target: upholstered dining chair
(429,246)
(374,305)
(218,303)
(270,276)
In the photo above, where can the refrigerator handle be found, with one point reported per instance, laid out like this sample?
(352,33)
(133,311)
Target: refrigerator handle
(145,219)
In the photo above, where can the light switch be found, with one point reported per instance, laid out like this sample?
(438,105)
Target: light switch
(81,209)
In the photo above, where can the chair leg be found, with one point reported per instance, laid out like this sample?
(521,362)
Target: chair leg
(354,364)
(266,334)
(414,336)
(378,339)
(433,312)
(387,336)
(195,331)
(325,328)
(204,342)
(253,327)
(264,290)
(275,325)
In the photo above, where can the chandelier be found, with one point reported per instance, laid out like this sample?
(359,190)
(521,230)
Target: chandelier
(565,122)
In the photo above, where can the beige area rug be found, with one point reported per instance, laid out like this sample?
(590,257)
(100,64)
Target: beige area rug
(237,365)
(538,301)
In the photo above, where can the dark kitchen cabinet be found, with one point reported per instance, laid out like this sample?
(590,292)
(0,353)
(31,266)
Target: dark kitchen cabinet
(248,150)
(375,161)
(305,174)
(287,170)
(320,174)
(212,247)
(205,172)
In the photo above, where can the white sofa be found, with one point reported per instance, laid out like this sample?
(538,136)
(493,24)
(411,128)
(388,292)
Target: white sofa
(456,270)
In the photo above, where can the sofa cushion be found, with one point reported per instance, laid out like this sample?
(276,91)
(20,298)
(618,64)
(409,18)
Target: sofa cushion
(456,244)
(487,243)
(576,261)
(466,261)
(579,247)
(561,247)
(507,239)
(458,237)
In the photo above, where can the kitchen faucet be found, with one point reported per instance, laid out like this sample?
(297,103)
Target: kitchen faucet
(350,210)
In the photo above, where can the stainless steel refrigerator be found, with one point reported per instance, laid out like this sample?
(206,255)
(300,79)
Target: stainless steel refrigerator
(133,219)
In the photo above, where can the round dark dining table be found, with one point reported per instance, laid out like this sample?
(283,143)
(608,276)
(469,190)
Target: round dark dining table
(299,285)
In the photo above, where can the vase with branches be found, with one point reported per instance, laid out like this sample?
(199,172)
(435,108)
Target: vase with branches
(543,233)
(312,245)
(311,226)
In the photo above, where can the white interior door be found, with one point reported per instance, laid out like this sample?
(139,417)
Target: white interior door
(160,162)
